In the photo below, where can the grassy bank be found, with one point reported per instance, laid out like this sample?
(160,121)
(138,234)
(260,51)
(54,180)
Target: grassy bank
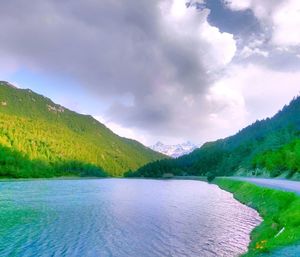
(280,212)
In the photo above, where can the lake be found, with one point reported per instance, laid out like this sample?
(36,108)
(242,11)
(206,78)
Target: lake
(122,217)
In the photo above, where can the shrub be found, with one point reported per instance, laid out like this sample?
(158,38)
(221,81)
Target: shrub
(210,176)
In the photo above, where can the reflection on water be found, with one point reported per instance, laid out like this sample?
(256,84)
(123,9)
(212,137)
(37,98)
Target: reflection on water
(119,217)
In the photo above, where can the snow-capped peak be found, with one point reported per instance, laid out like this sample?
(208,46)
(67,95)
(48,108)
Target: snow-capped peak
(174,150)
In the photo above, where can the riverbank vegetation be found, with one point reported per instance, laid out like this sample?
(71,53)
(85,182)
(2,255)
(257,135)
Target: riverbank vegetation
(280,212)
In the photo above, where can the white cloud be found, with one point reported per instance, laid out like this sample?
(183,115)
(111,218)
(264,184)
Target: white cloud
(261,9)
(227,107)
(259,92)
(247,52)
(239,5)
(221,47)
(120,130)
(286,24)
(214,48)
(281,16)
(142,136)
(244,95)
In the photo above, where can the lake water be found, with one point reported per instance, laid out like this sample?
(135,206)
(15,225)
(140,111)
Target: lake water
(120,217)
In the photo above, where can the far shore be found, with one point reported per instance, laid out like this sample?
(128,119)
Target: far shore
(197,178)
(53,178)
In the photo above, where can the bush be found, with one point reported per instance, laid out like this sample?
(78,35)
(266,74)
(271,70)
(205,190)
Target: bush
(210,176)
(168,175)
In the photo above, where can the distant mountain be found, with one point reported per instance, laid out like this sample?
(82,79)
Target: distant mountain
(39,138)
(269,147)
(174,150)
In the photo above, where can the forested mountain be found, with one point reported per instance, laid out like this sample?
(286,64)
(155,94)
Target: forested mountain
(270,146)
(39,138)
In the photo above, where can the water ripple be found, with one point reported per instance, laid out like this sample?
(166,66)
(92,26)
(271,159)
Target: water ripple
(119,218)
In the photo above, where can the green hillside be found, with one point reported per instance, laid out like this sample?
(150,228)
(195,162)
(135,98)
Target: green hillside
(269,147)
(39,138)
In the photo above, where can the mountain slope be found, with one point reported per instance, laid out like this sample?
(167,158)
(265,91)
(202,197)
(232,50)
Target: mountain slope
(174,151)
(270,146)
(47,136)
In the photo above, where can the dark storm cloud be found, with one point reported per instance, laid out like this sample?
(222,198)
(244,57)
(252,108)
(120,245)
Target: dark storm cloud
(111,47)
(96,41)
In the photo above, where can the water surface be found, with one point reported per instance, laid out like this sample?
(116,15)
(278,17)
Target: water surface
(120,217)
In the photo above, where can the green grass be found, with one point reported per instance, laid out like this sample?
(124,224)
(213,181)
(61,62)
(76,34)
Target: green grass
(277,208)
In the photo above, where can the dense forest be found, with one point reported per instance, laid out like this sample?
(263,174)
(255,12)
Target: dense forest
(39,138)
(270,147)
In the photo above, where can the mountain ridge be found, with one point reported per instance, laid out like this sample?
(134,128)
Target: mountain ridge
(270,147)
(41,131)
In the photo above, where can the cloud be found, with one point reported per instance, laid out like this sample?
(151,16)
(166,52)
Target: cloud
(244,94)
(281,17)
(160,53)
(262,9)
(239,5)
(161,68)
(248,51)
(286,21)
(172,108)
(256,91)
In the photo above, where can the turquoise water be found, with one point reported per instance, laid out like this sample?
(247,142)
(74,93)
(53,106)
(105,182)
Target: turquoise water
(120,217)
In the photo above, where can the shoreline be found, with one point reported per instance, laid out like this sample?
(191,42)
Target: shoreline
(196,178)
(53,178)
(279,210)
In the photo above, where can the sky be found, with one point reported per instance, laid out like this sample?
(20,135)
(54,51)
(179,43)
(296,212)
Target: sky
(159,70)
